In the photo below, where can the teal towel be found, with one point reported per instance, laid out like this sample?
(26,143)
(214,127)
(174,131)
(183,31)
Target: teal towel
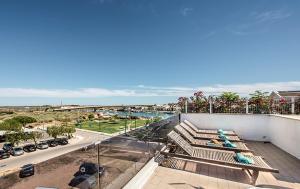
(223,137)
(243,159)
(221,131)
(228,144)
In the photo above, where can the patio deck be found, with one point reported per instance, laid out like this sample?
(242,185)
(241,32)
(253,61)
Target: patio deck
(179,173)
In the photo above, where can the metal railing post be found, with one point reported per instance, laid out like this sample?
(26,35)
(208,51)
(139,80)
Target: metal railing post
(247,106)
(186,104)
(293,105)
(210,107)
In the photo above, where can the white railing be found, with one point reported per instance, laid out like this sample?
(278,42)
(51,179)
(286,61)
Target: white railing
(288,106)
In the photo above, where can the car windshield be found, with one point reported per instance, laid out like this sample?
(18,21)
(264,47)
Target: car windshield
(17,149)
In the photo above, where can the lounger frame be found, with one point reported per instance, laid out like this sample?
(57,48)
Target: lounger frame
(191,154)
(207,131)
(196,142)
(207,136)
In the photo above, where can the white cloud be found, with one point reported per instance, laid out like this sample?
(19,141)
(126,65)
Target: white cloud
(63,93)
(245,89)
(186,11)
(147,91)
(259,22)
(270,16)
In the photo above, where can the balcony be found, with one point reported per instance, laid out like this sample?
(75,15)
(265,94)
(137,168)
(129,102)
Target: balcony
(273,137)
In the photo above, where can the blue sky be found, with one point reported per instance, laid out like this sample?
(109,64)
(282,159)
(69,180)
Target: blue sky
(138,51)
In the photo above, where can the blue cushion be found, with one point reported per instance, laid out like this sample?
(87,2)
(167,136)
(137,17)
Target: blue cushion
(228,144)
(222,136)
(221,131)
(243,159)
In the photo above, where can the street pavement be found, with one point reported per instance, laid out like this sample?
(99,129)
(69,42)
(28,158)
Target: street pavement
(81,139)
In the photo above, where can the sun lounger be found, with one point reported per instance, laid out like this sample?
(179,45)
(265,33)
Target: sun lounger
(208,131)
(214,156)
(208,136)
(240,146)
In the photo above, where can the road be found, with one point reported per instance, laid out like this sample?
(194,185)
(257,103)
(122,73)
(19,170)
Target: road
(81,139)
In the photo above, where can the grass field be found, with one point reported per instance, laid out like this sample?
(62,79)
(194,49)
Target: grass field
(110,127)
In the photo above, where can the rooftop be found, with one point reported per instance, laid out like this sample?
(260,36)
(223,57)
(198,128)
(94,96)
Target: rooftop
(273,138)
(179,173)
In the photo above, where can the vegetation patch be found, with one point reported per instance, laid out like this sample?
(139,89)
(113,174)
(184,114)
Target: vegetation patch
(111,126)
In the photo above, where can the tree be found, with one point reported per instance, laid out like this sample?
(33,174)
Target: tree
(200,102)
(227,102)
(14,137)
(54,131)
(181,102)
(35,135)
(11,125)
(91,116)
(230,97)
(24,120)
(260,101)
(69,130)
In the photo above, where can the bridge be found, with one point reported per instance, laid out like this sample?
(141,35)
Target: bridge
(97,107)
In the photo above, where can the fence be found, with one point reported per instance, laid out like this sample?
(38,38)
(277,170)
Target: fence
(287,106)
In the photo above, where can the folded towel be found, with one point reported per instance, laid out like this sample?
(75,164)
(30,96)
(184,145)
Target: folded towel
(228,144)
(243,159)
(209,143)
(223,137)
(213,142)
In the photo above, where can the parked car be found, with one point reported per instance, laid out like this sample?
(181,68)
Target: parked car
(4,154)
(84,182)
(52,143)
(26,170)
(29,148)
(62,141)
(17,151)
(42,145)
(7,147)
(91,168)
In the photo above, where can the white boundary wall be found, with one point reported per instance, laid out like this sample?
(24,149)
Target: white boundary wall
(140,179)
(281,131)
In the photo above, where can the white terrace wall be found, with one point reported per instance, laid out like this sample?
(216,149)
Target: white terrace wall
(282,132)
(249,127)
(285,133)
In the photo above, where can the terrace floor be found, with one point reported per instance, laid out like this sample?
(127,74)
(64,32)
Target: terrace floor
(180,174)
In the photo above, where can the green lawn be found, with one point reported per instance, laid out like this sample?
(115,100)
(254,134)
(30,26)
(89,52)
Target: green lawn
(110,127)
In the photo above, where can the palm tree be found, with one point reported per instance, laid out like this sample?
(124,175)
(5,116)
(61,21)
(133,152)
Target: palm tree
(228,101)
(200,102)
(260,100)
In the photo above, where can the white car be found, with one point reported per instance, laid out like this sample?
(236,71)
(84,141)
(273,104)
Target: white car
(42,145)
(17,151)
